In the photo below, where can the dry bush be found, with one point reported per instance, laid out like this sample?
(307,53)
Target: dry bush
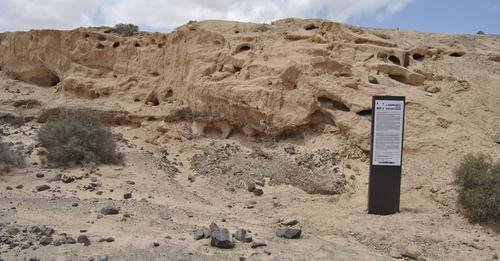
(126,29)
(9,157)
(78,138)
(479,188)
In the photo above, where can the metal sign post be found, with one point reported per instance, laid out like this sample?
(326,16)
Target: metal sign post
(386,154)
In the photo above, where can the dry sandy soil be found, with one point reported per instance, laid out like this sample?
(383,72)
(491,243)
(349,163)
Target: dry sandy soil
(201,112)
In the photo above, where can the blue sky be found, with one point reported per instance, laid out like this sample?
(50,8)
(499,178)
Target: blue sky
(447,16)
(444,16)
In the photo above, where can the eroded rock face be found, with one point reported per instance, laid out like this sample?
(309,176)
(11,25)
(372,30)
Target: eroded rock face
(263,80)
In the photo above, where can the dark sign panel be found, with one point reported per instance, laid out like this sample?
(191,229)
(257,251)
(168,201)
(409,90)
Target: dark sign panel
(386,154)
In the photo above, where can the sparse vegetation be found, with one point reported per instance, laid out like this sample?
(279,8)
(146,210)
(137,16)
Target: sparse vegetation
(78,138)
(479,188)
(9,157)
(126,29)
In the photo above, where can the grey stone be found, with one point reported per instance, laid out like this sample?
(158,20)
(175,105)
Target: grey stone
(290,150)
(411,252)
(289,222)
(250,186)
(289,233)
(45,240)
(258,192)
(42,187)
(83,239)
(242,236)
(372,79)
(69,240)
(221,238)
(496,139)
(199,234)
(67,179)
(110,210)
(103,258)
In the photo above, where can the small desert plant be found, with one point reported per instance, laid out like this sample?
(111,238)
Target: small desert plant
(78,137)
(479,188)
(9,157)
(126,29)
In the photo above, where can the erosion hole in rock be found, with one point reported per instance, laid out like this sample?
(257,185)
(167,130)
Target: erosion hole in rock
(153,100)
(116,44)
(395,60)
(212,131)
(365,113)
(309,27)
(456,54)
(40,76)
(332,104)
(418,57)
(137,45)
(27,104)
(399,78)
(243,48)
(319,118)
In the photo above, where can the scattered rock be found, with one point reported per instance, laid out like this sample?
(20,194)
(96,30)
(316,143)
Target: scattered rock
(12,231)
(40,175)
(199,234)
(67,179)
(19,187)
(110,210)
(103,258)
(288,232)
(290,150)
(496,139)
(42,187)
(289,222)
(372,79)
(258,192)
(434,190)
(411,252)
(127,195)
(74,204)
(83,239)
(250,186)
(495,256)
(256,244)
(191,178)
(156,244)
(432,89)
(242,236)
(45,240)
(8,188)
(221,237)
(69,240)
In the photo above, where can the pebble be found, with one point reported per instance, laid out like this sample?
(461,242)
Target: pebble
(288,232)
(42,187)
(74,205)
(156,244)
(198,234)
(127,195)
(110,210)
(40,175)
(8,188)
(19,187)
(103,258)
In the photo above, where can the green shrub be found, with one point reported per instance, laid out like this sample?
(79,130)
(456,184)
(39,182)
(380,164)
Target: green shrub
(126,29)
(479,188)
(9,157)
(78,138)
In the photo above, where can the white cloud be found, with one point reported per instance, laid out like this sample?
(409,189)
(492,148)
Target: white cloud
(163,15)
